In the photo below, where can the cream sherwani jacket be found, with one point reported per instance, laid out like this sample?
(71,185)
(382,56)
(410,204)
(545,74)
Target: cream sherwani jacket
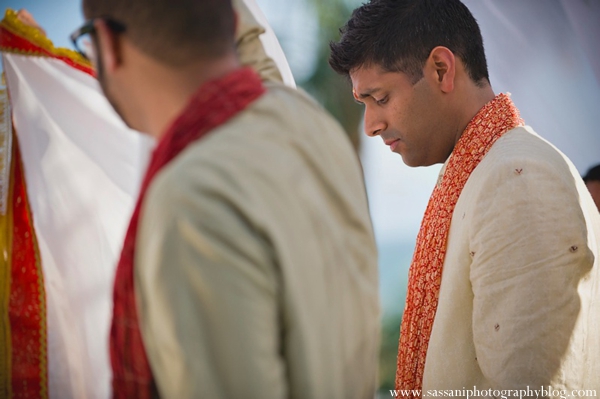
(255,268)
(520,295)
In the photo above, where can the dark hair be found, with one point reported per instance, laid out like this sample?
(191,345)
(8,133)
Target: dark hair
(172,31)
(593,174)
(398,35)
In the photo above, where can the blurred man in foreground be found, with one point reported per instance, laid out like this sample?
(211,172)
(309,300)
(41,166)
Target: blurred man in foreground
(504,287)
(250,255)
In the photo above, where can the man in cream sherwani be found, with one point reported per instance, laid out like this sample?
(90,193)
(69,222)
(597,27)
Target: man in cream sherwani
(504,288)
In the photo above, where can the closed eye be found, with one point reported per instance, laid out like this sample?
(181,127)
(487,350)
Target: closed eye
(382,101)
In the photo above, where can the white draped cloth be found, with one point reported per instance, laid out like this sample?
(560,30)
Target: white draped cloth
(83,168)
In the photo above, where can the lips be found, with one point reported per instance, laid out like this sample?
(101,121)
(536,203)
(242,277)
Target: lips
(393,143)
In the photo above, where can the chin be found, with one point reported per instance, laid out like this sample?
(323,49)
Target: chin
(408,161)
(415,163)
(415,160)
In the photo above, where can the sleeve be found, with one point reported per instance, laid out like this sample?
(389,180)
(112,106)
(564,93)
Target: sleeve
(250,49)
(207,295)
(528,242)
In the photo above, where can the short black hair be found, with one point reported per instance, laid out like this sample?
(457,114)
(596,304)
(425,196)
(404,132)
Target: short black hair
(398,35)
(593,174)
(175,32)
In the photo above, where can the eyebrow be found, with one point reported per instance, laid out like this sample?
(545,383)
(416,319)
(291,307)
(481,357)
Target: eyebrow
(368,93)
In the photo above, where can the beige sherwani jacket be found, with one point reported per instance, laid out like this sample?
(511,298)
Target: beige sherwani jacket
(520,295)
(256,268)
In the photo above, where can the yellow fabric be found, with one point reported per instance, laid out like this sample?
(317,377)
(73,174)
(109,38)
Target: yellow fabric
(5,278)
(256,267)
(5,337)
(33,35)
(5,244)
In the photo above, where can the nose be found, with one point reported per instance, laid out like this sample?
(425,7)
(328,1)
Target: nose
(374,124)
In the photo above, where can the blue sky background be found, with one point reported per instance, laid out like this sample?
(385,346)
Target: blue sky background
(58,17)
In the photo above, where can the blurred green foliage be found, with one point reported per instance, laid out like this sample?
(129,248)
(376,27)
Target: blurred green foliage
(390,334)
(333,91)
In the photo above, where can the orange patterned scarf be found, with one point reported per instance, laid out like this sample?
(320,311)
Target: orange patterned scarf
(425,275)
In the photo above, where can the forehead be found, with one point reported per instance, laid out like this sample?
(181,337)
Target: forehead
(367,80)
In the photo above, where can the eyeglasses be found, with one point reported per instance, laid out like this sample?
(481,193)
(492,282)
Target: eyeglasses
(82,39)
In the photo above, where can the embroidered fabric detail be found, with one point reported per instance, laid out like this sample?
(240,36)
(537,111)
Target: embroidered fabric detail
(213,104)
(5,238)
(425,274)
(16,37)
(24,372)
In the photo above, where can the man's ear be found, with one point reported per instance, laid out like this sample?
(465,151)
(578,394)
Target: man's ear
(109,45)
(441,66)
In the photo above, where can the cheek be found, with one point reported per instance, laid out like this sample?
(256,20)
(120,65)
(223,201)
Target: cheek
(399,116)
(411,121)
(423,115)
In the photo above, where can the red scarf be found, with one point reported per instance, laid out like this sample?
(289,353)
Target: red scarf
(425,275)
(213,104)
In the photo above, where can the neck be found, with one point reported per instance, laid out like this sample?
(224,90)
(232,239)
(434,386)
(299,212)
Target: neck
(165,91)
(473,100)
